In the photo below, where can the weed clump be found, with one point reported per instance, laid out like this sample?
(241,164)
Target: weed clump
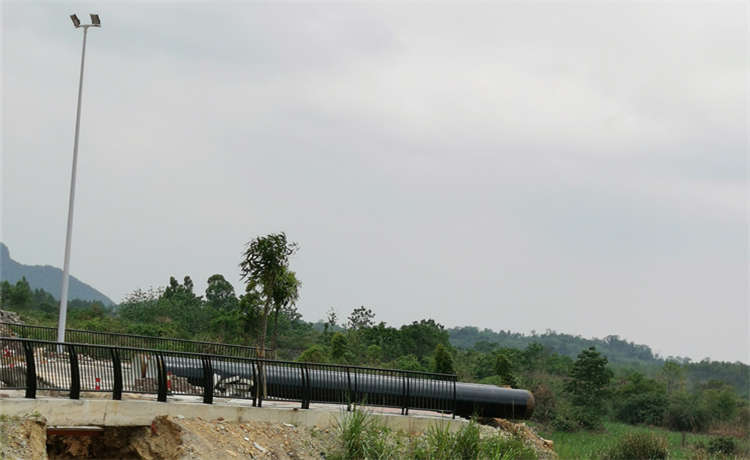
(722,445)
(639,445)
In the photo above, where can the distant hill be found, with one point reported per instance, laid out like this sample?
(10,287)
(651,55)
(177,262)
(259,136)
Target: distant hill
(620,353)
(616,349)
(46,277)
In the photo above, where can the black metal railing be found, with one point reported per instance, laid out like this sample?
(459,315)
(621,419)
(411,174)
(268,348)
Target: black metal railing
(35,365)
(130,340)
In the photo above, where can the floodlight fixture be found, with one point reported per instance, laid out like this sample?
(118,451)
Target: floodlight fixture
(95,21)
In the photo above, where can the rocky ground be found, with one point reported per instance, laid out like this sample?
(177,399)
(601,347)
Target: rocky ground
(23,438)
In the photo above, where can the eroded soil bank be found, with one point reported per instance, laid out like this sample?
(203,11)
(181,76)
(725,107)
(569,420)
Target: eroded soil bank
(192,438)
(166,438)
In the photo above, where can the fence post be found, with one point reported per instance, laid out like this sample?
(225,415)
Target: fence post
(208,381)
(117,374)
(348,390)
(403,394)
(254,390)
(309,386)
(305,385)
(30,371)
(261,383)
(75,376)
(161,379)
(407,394)
(357,399)
(454,396)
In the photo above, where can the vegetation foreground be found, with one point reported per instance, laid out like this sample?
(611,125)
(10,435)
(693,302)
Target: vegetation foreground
(603,444)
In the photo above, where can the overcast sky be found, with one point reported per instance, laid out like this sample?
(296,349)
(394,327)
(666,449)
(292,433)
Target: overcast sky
(576,167)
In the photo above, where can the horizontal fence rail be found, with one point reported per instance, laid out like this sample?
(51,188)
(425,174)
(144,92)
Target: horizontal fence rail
(129,340)
(34,365)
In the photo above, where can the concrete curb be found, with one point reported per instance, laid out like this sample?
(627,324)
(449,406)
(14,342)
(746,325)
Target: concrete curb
(97,412)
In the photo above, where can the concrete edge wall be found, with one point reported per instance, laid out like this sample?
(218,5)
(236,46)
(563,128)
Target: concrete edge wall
(97,412)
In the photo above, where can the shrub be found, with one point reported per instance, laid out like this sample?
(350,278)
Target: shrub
(566,418)
(686,413)
(562,422)
(504,368)
(338,347)
(314,354)
(443,360)
(639,399)
(374,354)
(722,445)
(639,446)
(545,402)
(648,408)
(408,362)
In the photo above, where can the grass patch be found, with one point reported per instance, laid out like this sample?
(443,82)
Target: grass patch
(596,445)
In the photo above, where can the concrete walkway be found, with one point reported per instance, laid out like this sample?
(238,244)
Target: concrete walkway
(133,412)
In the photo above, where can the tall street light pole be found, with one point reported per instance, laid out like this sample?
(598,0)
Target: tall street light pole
(95,22)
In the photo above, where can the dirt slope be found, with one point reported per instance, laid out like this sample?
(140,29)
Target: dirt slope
(23,438)
(181,438)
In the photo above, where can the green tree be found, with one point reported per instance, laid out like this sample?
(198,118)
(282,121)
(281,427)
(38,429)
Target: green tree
(686,413)
(638,399)
(360,318)
(19,296)
(220,294)
(285,297)
(443,360)
(374,354)
(408,363)
(338,347)
(504,369)
(314,354)
(264,267)
(673,376)
(179,304)
(421,337)
(587,387)
(720,400)
(182,291)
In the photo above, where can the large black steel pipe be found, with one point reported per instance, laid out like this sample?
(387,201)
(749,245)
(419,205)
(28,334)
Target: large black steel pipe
(338,386)
(493,401)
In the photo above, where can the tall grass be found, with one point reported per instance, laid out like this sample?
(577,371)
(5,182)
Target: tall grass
(362,436)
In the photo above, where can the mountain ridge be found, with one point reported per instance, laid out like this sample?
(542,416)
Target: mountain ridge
(46,277)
